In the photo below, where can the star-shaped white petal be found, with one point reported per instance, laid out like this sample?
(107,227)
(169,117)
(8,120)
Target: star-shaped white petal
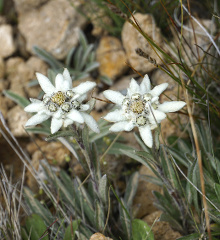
(113,96)
(146,135)
(140,108)
(62,103)
(36,119)
(171,106)
(45,84)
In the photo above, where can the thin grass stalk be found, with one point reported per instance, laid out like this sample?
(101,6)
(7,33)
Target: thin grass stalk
(21,191)
(209,36)
(25,159)
(198,152)
(194,35)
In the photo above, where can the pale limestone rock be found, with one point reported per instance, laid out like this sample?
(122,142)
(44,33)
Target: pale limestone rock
(143,203)
(2,20)
(3,105)
(98,18)
(16,120)
(3,85)
(132,40)
(111,57)
(53,27)
(172,124)
(2,68)
(20,73)
(99,236)
(54,152)
(34,64)
(6,41)
(26,5)
(161,229)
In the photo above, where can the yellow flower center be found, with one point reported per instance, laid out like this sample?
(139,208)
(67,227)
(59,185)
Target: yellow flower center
(137,107)
(58,98)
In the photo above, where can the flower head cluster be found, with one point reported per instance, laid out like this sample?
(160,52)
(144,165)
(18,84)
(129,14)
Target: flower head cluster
(140,108)
(62,103)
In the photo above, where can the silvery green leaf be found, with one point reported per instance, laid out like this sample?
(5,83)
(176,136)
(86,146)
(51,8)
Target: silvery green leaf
(217,190)
(104,131)
(24,234)
(85,56)
(131,189)
(47,57)
(146,155)
(171,174)
(193,236)
(83,233)
(99,216)
(164,202)
(215,162)
(208,136)
(23,102)
(156,138)
(103,189)
(85,195)
(83,41)
(33,83)
(118,147)
(134,155)
(191,192)
(85,137)
(189,157)
(91,66)
(35,227)
(77,58)
(69,57)
(173,222)
(141,230)
(96,161)
(108,81)
(67,133)
(65,193)
(39,130)
(141,143)
(67,181)
(36,207)
(183,146)
(84,208)
(125,221)
(52,75)
(71,230)
(81,75)
(179,157)
(91,57)
(151,179)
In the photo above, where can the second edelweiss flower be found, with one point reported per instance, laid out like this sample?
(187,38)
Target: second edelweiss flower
(62,103)
(140,108)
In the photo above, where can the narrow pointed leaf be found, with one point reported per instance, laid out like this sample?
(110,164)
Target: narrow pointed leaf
(23,102)
(58,134)
(141,230)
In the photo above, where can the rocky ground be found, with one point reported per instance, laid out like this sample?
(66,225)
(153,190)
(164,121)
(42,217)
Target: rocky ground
(54,26)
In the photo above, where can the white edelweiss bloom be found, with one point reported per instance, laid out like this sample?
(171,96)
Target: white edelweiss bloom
(62,103)
(140,108)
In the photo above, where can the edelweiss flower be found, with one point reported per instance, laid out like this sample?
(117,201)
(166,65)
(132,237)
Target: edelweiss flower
(61,102)
(140,108)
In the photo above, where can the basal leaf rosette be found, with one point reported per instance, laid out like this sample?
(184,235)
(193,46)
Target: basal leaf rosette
(62,103)
(140,108)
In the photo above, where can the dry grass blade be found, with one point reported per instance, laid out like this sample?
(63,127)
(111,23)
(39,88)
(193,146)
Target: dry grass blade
(27,162)
(9,214)
(198,152)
